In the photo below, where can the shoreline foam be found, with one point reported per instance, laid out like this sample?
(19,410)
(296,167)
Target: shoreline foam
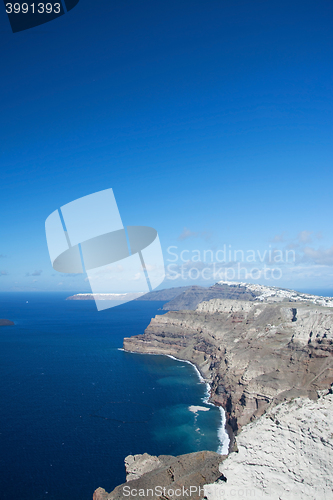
(222,433)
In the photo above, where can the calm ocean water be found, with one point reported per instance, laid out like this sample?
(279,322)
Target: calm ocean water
(73,405)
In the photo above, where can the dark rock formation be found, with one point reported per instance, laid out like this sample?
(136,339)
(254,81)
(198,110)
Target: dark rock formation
(6,322)
(166,294)
(192,296)
(184,297)
(171,475)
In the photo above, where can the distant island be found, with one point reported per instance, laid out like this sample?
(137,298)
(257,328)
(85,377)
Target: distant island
(189,297)
(105,296)
(158,295)
(6,322)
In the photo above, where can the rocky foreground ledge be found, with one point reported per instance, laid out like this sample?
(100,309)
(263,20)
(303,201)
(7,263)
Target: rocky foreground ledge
(166,477)
(286,454)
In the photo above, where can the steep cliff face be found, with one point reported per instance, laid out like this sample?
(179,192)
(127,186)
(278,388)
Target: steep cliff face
(254,354)
(286,454)
(191,297)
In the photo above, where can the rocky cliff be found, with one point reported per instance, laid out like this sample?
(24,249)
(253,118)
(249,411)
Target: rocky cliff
(287,454)
(254,354)
(166,477)
(259,356)
(189,297)
(192,296)
(183,297)
(167,294)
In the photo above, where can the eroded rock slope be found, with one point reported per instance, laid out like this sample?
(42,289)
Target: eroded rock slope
(287,454)
(254,354)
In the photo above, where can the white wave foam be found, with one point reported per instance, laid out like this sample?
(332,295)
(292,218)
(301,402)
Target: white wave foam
(207,395)
(223,436)
(189,362)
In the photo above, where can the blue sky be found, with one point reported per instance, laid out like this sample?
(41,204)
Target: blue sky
(211,121)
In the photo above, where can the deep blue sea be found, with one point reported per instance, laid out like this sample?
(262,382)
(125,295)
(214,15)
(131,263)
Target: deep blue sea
(73,405)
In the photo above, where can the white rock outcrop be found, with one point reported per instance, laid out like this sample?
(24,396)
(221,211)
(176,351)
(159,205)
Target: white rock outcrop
(287,454)
(137,465)
(226,306)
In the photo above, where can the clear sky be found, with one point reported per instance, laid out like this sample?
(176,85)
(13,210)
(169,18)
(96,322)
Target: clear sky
(211,121)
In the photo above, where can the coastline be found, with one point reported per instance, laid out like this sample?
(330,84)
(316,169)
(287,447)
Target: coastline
(253,368)
(224,434)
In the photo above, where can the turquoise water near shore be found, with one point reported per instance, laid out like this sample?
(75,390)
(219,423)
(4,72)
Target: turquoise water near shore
(73,404)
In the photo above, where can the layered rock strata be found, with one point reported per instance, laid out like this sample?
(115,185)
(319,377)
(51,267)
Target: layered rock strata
(191,297)
(253,354)
(265,293)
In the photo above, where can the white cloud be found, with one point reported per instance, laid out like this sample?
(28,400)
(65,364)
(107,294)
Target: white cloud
(321,256)
(292,246)
(187,233)
(35,273)
(305,236)
(279,238)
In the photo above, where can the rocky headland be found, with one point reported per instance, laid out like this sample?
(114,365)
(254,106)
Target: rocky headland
(166,477)
(253,354)
(286,454)
(189,297)
(269,363)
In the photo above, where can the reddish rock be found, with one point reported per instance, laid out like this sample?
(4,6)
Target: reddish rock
(100,494)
